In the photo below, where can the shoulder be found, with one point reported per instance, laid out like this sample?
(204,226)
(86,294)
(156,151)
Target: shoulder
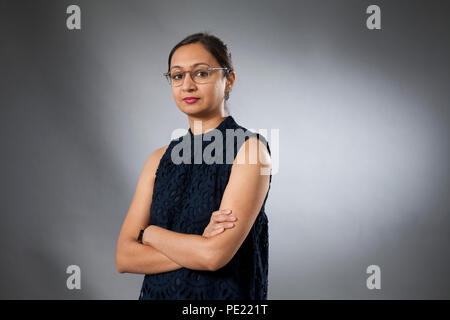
(254,151)
(158,153)
(152,162)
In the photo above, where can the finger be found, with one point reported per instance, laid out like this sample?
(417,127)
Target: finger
(224,225)
(214,232)
(211,232)
(224,217)
(223,211)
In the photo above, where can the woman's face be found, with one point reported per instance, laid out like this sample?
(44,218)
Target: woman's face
(210,94)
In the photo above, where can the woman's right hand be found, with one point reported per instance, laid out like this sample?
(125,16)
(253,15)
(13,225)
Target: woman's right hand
(220,220)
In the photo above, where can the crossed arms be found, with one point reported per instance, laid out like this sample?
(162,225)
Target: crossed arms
(165,250)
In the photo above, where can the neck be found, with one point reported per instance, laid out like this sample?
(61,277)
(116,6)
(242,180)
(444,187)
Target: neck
(200,125)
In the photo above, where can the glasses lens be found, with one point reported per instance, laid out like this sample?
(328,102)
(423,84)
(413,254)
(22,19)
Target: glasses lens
(176,78)
(201,75)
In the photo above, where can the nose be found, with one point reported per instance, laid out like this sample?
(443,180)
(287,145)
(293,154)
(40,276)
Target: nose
(188,83)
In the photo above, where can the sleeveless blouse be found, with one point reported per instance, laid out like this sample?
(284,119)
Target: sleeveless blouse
(184,197)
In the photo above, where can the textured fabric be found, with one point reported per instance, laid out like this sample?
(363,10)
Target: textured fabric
(184,197)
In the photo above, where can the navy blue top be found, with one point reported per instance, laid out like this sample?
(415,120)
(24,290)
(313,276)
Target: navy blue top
(184,197)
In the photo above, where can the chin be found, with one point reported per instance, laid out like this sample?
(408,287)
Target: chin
(194,110)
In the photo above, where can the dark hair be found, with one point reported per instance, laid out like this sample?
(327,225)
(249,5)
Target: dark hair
(215,46)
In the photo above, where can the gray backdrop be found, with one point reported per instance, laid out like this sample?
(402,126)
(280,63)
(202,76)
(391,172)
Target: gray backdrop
(364,125)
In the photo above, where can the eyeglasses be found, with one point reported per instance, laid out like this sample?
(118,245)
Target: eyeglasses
(198,75)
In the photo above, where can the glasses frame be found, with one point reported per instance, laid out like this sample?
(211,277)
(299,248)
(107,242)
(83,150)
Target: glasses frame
(169,79)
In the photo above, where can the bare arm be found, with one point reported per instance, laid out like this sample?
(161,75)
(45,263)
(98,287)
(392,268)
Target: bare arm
(244,195)
(188,250)
(132,256)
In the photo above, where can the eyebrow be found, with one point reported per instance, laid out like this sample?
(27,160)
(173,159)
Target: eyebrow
(196,64)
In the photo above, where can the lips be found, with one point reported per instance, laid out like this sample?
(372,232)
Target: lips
(190,99)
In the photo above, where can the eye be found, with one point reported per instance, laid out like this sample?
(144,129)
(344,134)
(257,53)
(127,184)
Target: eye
(201,73)
(176,76)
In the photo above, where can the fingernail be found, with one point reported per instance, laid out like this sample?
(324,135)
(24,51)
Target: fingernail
(226,210)
(233,218)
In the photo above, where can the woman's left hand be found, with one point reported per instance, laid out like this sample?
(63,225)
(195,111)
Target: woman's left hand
(220,220)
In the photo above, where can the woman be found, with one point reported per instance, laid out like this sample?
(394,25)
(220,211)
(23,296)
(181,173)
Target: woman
(176,231)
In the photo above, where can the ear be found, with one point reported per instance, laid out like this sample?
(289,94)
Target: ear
(230,80)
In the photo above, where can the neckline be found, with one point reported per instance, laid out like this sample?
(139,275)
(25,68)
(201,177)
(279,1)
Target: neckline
(220,127)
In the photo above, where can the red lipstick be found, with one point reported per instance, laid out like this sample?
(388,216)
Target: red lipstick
(190,99)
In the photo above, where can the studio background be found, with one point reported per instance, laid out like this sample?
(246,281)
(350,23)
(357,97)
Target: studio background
(363,119)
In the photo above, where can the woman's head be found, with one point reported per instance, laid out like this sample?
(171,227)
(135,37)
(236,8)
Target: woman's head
(197,52)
